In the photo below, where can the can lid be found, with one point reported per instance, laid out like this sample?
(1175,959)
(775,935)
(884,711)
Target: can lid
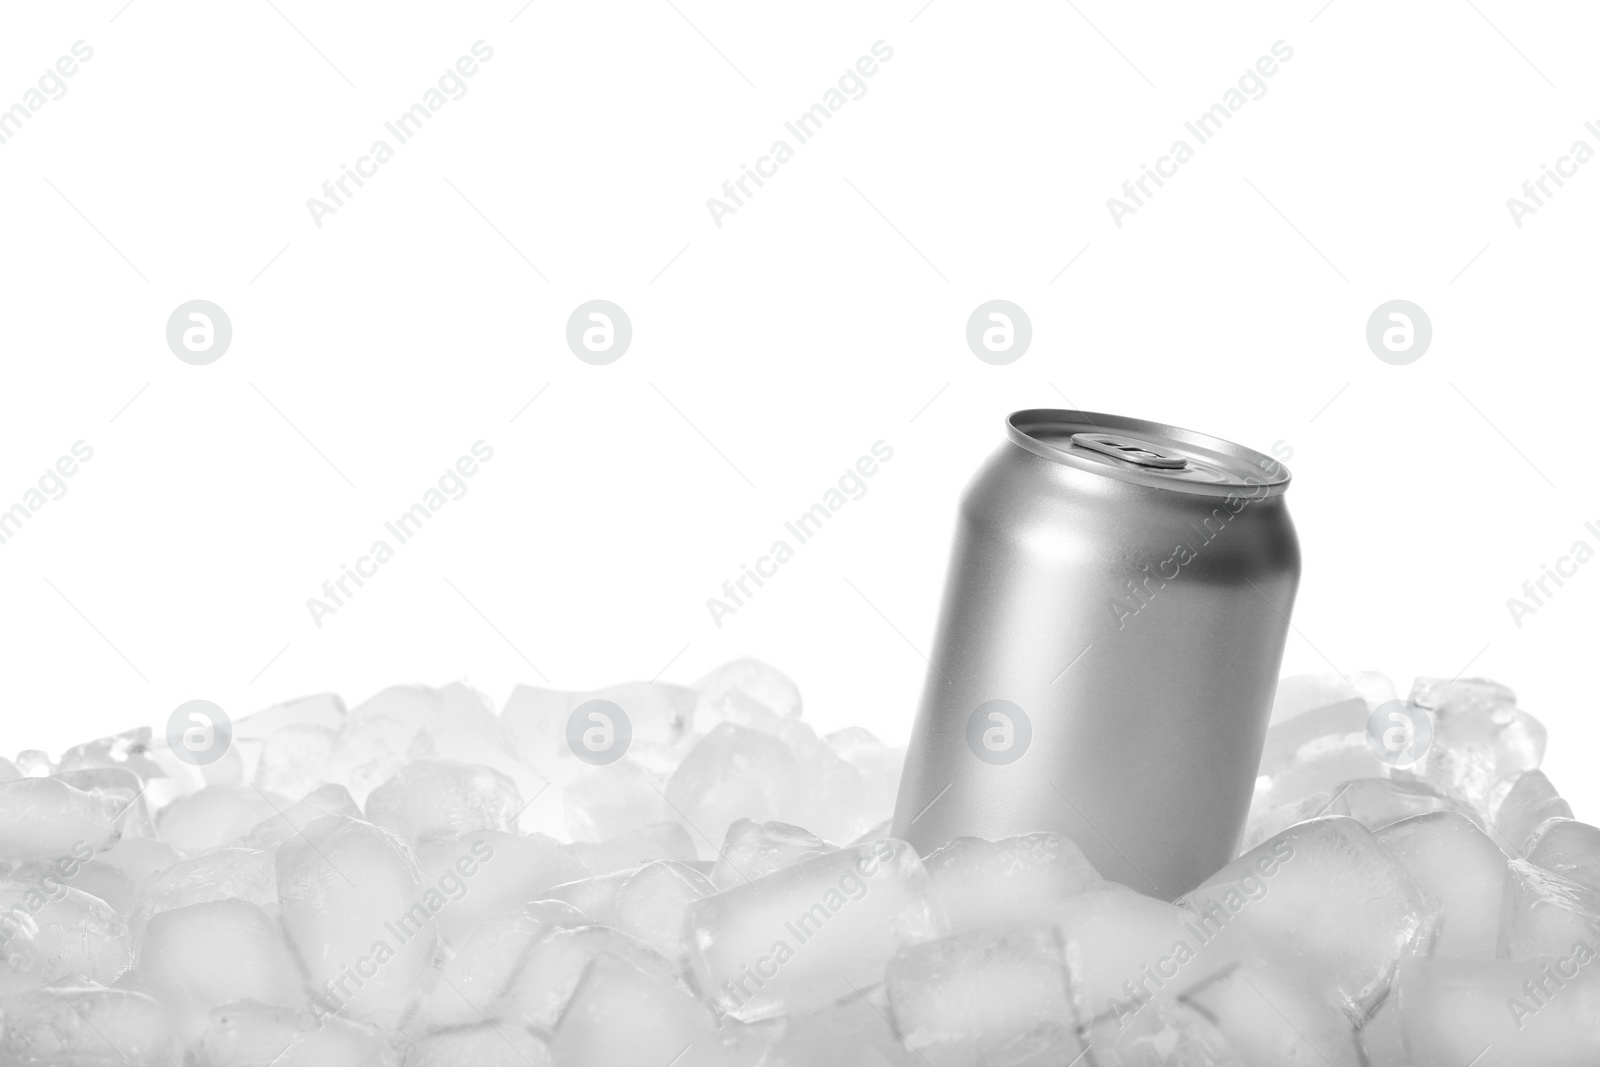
(1147,453)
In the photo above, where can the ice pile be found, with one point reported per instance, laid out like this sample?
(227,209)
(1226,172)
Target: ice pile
(664,876)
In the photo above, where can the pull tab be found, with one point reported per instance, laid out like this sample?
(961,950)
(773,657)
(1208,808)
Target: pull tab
(1130,450)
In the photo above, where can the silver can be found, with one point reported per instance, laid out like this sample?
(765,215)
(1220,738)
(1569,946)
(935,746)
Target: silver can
(1108,647)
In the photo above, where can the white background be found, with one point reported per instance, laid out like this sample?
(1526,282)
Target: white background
(769,353)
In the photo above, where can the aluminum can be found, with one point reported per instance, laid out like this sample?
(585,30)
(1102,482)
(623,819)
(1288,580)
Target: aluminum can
(1108,648)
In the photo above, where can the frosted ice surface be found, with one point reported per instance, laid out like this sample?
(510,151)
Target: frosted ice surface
(123,786)
(215,816)
(1531,802)
(477,972)
(250,1034)
(295,759)
(1503,1013)
(554,965)
(1377,802)
(437,797)
(593,896)
(1315,752)
(652,902)
(982,883)
(249,874)
(45,818)
(621,1016)
(810,933)
(56,933)
(603,802)
(748,693)
(1454,861)
(1480,738)
(1570,849)
(284,824)
(1546,914)
(879,766)
(733,773)
(1270,1021)
(1322,901)
(1300,693)
(73,1026)
(204,955)
(351,898)
(484,873)
(484,1045)
(1162,1034)
(753,850)
(828,793)
(1116,940)
(976,990)
(654,841)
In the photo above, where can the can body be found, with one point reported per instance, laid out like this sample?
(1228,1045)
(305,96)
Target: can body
(1108,648)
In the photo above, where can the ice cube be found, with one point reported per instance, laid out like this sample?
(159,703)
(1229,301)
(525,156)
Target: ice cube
(45,819)
(732,773)
(352,902)
(1377,802)
(214,816)
(198,957)
(484,1045)
(1455,862)
(323,800)
(1479,737)
(1266,822)
(540,990)
(238,873)
(249,1034)
(252,732)
(1501,1013)
(746,692)
(753,850)
(879,766)
(828,793)
(1314,753)
(535,720)
(63,933)
(651,905)
(485,873)
(1383,1039)
(1020,879)
(95,877)
(123,786)
(85,1027)
(1531,802)
(1300,693)
(976,990)
(810,933)
(1161,1034)
(656,841)
(475,976)
(139,858)
(1466,698)
(1116,941)
(617,798)
(1323,900)
(621,1016)
(440,797)
(594,896)
(1570,849)
(296,759)
(1545,914)
(1271,1023)
(128,750)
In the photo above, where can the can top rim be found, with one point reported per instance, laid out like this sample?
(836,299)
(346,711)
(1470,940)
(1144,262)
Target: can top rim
(1146,453)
